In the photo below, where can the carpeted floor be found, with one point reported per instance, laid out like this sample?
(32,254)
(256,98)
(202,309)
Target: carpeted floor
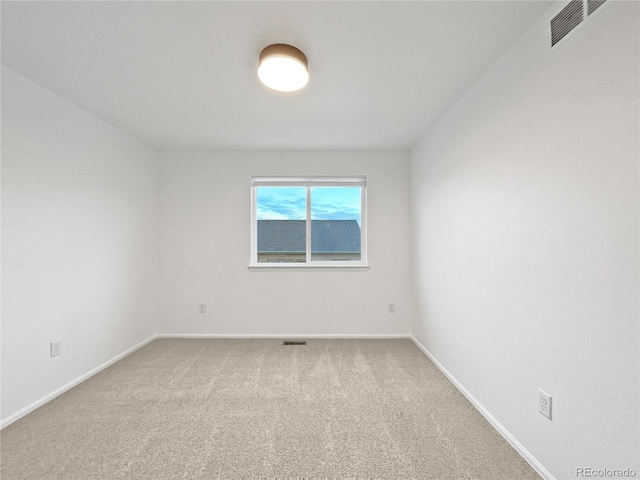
(202,409)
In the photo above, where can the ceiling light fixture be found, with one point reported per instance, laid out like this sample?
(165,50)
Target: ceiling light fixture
(283,67)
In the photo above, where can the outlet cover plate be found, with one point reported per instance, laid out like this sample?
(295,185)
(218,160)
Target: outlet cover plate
(544,404)
(56,348)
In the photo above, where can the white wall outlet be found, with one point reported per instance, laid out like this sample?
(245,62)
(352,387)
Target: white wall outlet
(544,404)
(391,308)
(55,348)
(203,308)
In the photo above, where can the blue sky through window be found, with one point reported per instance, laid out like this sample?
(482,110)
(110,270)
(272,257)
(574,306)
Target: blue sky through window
(290,203)
(281,203)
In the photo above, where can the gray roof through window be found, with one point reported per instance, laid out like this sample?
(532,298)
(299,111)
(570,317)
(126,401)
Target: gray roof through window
(327,236)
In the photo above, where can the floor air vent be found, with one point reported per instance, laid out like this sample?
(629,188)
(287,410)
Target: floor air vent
(293,342)
(592,5)
(568,19)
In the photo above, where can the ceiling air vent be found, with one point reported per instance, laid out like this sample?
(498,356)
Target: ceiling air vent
(568,18)
(592,5)
(293,342)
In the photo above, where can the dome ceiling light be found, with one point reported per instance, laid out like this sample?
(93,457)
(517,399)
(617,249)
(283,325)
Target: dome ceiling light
(283,67)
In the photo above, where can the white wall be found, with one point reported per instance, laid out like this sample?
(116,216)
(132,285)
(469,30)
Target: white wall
(79,241)
(525,208)
(205,225)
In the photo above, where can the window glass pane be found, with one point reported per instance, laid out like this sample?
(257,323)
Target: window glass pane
(335,223)
(281,230)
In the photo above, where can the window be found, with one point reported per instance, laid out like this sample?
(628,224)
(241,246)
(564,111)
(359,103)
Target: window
(308,222)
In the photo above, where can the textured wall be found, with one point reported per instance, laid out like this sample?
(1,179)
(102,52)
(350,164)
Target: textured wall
(79,241)
(205,215)
(525,210)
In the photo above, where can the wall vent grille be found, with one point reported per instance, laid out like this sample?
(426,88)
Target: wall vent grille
(568,18)
(294,342)
(592,5)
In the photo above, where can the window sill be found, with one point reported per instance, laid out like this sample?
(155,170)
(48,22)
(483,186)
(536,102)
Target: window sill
(305,266)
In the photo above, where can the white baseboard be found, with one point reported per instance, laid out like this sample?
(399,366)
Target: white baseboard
(59,391)
(490,418)
(284,335)
(537,466)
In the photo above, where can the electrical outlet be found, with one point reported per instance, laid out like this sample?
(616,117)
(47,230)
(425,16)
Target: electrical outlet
(56,348)
(544,404)
(203,308)
(391,308)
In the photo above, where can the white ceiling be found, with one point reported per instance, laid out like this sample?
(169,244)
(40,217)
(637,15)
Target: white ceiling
(183,74)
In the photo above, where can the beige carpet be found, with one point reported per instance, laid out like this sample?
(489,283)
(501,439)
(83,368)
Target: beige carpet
(201,409)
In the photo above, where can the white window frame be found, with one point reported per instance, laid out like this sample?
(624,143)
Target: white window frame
(309,182)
